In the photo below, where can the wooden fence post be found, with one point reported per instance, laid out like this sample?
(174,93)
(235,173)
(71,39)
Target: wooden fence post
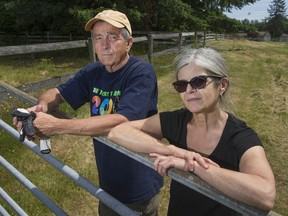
(150,50)
(91,50)
(180,41)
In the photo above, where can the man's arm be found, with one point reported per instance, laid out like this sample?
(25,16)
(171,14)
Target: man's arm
(91,126)
(49,125)
(50,100)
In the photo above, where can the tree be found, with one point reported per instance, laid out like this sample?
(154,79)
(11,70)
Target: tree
(70,16)
(276,19)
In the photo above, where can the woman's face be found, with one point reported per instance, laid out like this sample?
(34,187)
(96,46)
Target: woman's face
(202,100)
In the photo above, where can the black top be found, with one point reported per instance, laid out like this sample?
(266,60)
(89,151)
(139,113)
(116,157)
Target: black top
(237,138)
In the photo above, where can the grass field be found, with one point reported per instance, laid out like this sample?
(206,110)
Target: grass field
(258,94)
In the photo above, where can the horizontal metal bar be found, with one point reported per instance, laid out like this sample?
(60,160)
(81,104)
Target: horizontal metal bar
(3,212)
(12,203)
(32,188)
(106,198)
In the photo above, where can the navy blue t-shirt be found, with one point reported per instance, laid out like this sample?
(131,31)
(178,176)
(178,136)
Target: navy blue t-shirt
(236,138)
(132,92)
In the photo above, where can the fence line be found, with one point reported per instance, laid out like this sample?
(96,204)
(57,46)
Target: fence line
(3,211)
(31,187)
(42,37)
(152,39)
(12,203)
(44,47)
(106,198)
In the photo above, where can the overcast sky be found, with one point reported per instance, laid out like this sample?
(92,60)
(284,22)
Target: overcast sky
(257,11)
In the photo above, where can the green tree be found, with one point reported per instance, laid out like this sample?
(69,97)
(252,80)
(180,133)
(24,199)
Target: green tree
(276,19)
(70,16)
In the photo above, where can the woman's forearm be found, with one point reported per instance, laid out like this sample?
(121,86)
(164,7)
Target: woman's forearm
(134,139)
(250,189)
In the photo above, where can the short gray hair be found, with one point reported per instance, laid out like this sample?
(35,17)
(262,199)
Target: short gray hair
(125,34)
(206,58)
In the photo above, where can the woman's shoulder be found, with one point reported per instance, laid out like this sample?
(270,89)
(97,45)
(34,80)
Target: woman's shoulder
(181,113)
(238,129)
(236,121)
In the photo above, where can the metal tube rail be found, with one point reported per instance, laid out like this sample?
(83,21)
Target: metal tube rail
(12,203)
(32,188)
(192,181)
(106,198)
(3,212)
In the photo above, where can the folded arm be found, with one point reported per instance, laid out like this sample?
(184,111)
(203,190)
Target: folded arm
(145,136)
(253,185)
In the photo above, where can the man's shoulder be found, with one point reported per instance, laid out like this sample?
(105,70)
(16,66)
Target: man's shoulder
(136,60)
(92,66)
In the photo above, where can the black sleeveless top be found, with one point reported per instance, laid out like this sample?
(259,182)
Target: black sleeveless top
(236,138)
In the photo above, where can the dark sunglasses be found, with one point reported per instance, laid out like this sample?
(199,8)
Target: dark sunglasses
(198,82)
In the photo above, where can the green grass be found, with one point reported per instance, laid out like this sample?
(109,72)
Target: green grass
(258,94)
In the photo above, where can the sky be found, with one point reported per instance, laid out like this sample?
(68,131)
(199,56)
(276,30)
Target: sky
(257,11)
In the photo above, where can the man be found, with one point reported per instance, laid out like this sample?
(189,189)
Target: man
(119,88)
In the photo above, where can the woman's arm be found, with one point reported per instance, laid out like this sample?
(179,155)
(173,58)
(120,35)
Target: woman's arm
(144,136)
(140,136)
(254,184)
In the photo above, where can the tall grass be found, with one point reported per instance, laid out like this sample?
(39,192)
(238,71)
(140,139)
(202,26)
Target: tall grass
(259,95)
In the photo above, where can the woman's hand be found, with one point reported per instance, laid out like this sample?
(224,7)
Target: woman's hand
(163,163)
(190,157)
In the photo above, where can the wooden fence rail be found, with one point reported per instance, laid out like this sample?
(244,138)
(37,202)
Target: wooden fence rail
(177,38)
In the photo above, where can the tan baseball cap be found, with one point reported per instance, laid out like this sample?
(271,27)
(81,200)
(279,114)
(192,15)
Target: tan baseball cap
(115,18)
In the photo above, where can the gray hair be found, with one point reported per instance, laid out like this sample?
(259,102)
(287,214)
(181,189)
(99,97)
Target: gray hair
(207,58)
(125,34)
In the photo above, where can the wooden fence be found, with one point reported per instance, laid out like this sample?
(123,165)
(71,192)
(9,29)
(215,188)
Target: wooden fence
(178,39)
(46,37)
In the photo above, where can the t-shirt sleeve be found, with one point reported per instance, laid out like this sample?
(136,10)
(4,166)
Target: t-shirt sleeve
(139,99)
(246,140)
(75,91)
(242,136)
(173,125)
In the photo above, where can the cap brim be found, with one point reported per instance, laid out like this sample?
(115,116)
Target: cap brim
(92,21)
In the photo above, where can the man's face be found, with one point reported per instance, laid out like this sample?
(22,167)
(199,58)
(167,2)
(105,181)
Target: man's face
(111,48)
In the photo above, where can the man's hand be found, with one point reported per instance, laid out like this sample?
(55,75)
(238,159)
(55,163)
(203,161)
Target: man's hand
(45,125)
(26,118)
(19,125)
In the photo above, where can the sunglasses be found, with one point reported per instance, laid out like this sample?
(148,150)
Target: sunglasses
(198,82)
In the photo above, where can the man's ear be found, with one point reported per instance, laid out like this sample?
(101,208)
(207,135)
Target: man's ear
(129,43)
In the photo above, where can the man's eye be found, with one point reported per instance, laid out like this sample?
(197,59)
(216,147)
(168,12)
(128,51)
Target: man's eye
(112,37)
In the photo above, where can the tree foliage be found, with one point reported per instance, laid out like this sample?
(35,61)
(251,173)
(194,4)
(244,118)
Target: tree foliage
(70,16)
(277,18)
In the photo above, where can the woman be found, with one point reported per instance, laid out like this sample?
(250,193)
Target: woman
(202,134)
